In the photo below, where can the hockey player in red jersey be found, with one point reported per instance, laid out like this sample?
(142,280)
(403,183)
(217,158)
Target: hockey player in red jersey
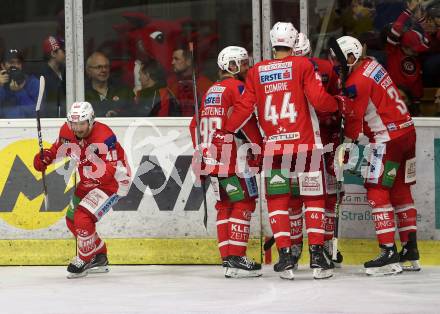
(235,190)
(285,92)
(376,109)
(104,178)
(330,127)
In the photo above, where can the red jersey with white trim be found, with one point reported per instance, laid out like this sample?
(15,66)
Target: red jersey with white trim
(100,158)
(285,93)
(375,105)
(215,106)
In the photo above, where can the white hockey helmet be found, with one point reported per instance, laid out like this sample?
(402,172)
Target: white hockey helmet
(231,54)
(283,34)
(302,46)
(81,111)
(350,45)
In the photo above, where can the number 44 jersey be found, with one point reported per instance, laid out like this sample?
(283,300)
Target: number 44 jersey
(285,93)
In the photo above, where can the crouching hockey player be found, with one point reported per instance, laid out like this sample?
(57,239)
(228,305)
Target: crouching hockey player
(376,110)
(104,178)
(285,92)
(235,193)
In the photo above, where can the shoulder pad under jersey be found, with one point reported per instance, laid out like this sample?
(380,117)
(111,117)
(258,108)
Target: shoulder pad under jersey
(66,134)
(103,134)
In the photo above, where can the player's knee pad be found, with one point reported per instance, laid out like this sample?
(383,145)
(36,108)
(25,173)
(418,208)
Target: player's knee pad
(248,205)
(98,203)
(223,205)
(279,202)
(401,196)
(295,205)
(378,196)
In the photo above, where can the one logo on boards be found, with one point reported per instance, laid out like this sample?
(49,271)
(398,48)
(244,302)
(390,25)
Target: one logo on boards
(21,192)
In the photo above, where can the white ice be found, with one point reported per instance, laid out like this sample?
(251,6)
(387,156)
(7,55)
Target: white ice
(203,289)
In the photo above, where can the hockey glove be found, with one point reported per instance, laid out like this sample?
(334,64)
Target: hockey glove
(41,162)
(220,139)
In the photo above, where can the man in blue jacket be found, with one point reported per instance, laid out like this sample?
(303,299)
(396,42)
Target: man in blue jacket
(18,91)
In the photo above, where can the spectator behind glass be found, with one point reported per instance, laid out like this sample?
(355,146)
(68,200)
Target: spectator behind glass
(54,72)
(405,42)
(18,91)
(154,99)
(107,98)
(181,84)
(431,65)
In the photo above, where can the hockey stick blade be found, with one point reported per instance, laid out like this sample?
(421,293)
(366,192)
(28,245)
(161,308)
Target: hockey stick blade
(40,93)
(268,244)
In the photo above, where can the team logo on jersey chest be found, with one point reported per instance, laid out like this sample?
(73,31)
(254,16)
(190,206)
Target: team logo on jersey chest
(408,66)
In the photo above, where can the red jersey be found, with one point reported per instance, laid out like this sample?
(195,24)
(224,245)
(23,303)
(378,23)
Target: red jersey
(375,105)
(285,93)
(215,106)
(100,158)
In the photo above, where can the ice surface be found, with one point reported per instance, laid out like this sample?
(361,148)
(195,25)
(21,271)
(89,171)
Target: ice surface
(203,289)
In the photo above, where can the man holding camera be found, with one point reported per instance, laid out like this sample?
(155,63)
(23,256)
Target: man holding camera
(18,91)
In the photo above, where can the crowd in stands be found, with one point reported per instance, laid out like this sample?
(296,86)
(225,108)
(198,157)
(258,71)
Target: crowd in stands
(410,52)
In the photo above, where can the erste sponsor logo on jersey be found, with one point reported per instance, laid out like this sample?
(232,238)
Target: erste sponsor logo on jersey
(213,99)
(378,74)
(275,72)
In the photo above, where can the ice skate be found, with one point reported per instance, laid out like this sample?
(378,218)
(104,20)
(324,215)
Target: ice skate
(99,264)
(296,253)
(241,267)
(410,255)
(286,264)
(387,263)
(328,251)
(322,265)
(78,268)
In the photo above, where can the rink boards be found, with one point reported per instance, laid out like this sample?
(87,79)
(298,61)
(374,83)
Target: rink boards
(161,219)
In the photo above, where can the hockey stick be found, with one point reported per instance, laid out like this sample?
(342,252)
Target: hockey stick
(268,244)
(40,138)
(196,107)
(339,55)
